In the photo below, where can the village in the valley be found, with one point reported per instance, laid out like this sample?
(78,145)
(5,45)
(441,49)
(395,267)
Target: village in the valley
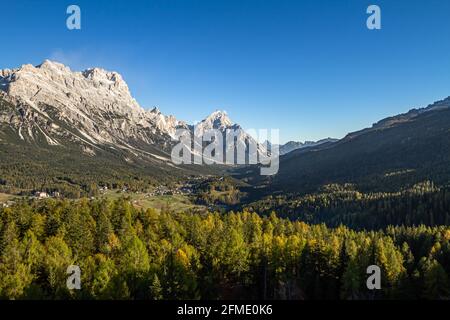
(180,193)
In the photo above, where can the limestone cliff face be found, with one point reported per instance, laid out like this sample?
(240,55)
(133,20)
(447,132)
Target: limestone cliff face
(93,107)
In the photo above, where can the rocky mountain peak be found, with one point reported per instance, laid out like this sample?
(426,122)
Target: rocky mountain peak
(93,107)
(50,65)
(54,84)
(95,101)
(112,80)
(155,110)
(216,120)
(219,114)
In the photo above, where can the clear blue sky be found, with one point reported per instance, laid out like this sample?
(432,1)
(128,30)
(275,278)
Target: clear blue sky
(310,68)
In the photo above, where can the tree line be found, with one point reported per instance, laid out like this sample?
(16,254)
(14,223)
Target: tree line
(423,203)
(129,253)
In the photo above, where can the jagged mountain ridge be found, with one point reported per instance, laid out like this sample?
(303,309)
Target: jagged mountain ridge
(232,133)
(88,117)
(95,102)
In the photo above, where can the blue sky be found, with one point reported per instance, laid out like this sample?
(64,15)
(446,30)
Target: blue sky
(310,68)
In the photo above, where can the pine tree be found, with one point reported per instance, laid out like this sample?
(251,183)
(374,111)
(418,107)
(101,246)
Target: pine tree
(436,282)
(156,289)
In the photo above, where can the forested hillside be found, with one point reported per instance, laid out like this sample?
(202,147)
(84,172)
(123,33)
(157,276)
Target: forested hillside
(125,253)
(423,203)
(67,161)
(396,153)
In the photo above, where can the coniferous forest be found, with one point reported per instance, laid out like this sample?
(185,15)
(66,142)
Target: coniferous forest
(129,253)
(224,150)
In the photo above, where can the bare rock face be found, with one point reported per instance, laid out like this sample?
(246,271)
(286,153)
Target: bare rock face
(168,124)
(93,107)
(218,120)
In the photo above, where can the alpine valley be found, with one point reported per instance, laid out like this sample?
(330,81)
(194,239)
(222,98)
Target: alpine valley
(66,131)
(86,179)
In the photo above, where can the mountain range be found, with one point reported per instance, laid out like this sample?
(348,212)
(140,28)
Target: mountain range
(65,127)
(61,126)
(394,154)
(61,129)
